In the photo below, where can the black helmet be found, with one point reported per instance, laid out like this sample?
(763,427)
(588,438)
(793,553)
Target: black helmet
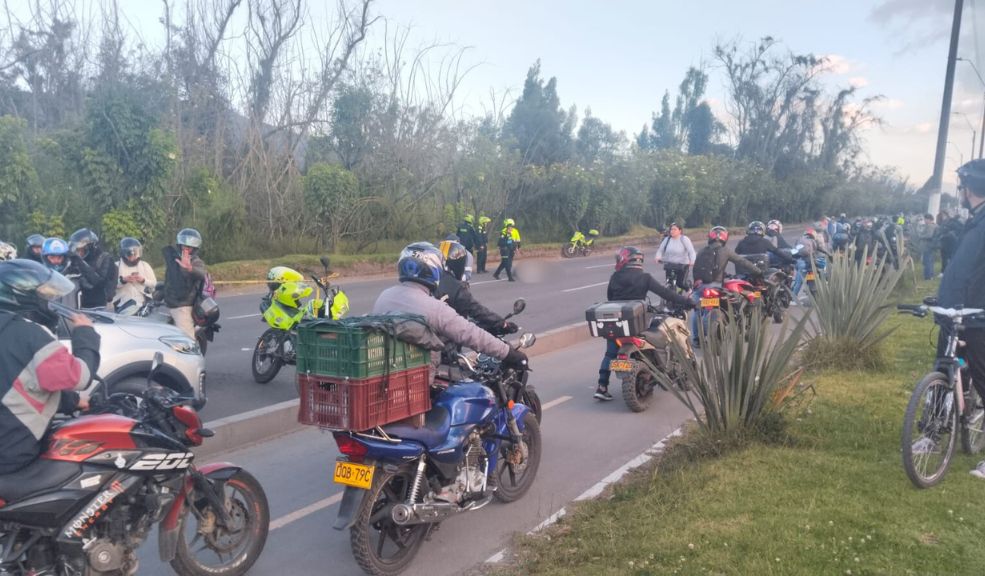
(131,250)
(756,228)
(34,241)
(456,257)
(189,237)
(629,257)
(26,287)
(971,175)
(420,262)
(83,241)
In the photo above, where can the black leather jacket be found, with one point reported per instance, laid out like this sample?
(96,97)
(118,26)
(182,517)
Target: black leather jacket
(457,295)
(964,278)
(635,284)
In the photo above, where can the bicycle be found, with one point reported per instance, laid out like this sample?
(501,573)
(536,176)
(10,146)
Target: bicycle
(676,274)
(941,403)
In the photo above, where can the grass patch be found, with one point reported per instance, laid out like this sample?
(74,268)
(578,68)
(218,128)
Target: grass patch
(831,499)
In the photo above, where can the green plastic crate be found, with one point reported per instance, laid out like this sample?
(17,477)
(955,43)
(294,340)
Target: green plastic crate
(344,349)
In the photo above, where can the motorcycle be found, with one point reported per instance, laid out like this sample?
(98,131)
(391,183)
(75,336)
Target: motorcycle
(810,272)
(579,245)
(773,287)
(205,313)
(517,390)
(277,345)
(106,478)
(735,299)
(641,353)
(402,481)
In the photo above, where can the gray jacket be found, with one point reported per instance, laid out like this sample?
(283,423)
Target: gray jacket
(410,297)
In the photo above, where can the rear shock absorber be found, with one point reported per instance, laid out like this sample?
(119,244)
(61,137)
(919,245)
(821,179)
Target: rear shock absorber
(415,485)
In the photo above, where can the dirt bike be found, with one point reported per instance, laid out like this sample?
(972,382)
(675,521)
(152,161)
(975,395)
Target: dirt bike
(402,481)
(277,345)
(106,478)
(579,245)
(639,354)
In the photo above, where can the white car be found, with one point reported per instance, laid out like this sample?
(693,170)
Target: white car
(127,347)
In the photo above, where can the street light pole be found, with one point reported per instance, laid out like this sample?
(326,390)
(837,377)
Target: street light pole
(981,143)
(934,202)
(973,139)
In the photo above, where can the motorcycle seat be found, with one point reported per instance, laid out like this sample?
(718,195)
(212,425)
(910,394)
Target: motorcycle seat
(437,423)
(36,477)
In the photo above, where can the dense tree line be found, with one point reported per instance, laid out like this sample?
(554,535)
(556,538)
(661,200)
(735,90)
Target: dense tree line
(274,135)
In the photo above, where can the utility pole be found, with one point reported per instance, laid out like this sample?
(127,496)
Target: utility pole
(934,203)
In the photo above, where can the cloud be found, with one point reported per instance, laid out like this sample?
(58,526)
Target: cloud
(838,64)
(888,104)
(923,128)
(858,81)
(910,10)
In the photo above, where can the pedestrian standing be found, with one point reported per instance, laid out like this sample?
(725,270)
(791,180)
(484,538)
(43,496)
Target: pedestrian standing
(509,243)
(927,235)
(482,244)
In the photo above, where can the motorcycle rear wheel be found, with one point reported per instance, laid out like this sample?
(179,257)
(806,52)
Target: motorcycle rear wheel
(237,546)
(266,361)
(516,478)
(637,388)
(380,546)
(567,251)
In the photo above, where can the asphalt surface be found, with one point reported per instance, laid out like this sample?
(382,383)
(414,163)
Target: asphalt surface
(557,292)
(583,442)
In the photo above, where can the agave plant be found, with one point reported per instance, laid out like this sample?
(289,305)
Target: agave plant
(746,373)
(850,306)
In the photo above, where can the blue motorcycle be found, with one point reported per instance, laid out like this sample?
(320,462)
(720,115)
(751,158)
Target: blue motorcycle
(402,481)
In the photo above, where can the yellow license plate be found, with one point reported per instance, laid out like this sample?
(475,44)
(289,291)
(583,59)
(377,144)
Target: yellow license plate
(621,366)
(356,475)
(810,276)
(710,302)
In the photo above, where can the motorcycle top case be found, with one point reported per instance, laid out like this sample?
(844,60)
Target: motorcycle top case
(616,319)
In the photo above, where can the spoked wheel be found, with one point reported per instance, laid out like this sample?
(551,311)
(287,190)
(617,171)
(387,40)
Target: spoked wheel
(208,548)
(929,431)
(517,465)
(266,359)
(637,388)
(973,426)
(380,546)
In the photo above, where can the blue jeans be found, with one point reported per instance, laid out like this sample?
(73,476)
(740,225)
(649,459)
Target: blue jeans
(611,349)
(698,312)
(798,281)
(928,264)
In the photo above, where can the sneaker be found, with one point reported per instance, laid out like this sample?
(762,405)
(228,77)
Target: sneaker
(602,394)
(924,446)
(496,276)
(979,470)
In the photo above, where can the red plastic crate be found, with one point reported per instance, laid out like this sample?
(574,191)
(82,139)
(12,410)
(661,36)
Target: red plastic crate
(363,403)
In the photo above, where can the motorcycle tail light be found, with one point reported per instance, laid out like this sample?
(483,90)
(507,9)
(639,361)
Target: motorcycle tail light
(622,357)
(351,447)
(707,293)
(638,342)
(192,423)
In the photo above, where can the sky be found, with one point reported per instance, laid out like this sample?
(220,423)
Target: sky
(617,57)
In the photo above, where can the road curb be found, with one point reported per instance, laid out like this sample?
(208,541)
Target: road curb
(269,422)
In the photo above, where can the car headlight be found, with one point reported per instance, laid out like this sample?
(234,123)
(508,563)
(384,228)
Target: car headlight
(181,344)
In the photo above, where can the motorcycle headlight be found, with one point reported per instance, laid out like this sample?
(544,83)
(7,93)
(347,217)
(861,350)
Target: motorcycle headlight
(181,344)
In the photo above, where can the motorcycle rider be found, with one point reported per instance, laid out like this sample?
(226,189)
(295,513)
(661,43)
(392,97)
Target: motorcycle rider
(55,256)
(454,290)
(419,268)
(467,234)
(34,244)
(509,244)
(808,247)
(965,275)
(756,244)
(676,253)
(98,275)
(774,231)
(38,375)
(865,242)
(136,277)
(482,244)
(630,282)
(183,278)
(709,268)
(841,233)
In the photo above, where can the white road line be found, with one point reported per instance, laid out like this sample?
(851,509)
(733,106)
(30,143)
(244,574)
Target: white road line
(306,511)
(589,286)
(599,266)
(555,402)
(597,489)
(486,282)
(243,316)
(246,349)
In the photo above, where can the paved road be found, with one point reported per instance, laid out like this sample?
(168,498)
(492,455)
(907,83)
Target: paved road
(584,441)
(557,292)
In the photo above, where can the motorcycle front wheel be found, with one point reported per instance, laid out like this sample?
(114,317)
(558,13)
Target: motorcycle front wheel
(266,358)
(567,251)
(518,464)
(380,546)
(208,548)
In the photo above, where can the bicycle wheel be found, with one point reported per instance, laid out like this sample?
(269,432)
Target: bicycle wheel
(929,428)
(973,423)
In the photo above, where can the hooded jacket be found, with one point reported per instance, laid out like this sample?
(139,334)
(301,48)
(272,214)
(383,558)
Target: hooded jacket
(635,284)
(964,278)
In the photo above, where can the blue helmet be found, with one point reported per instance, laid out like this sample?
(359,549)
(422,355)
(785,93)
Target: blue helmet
(55,247)
(421,262)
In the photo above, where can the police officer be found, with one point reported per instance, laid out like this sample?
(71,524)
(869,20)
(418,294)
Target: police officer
(482,244)
(509,243)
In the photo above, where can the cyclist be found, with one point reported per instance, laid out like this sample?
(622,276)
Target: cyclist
(965,276)
(676,252)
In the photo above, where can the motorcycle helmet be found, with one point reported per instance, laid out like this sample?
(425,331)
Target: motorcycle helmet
(290,294)
(810,233)
(35,241)
(26,287)
(54,254)
(971,175)
(456,257)
(718,234)
(469,218)
(593,232)
(756,228)
(131,250)
(7,252)
(280,274)
(421,262)
(483,220)
(508,222)
(83,242)
(629,257)
(189,237)
(774,227)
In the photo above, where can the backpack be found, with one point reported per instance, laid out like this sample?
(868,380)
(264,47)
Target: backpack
(707,266)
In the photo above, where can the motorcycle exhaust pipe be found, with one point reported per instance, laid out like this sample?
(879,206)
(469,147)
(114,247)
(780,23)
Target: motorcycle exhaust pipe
(429,513)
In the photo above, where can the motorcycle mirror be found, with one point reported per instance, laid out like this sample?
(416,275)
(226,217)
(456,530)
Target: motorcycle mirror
(527,340)
(519,306)
(325,262)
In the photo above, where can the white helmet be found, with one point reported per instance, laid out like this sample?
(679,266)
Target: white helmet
(7,251)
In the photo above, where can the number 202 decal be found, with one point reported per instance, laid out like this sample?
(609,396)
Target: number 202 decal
(172,461)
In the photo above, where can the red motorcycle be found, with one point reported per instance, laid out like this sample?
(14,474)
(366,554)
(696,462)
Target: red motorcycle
(105,479)
(735,298)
